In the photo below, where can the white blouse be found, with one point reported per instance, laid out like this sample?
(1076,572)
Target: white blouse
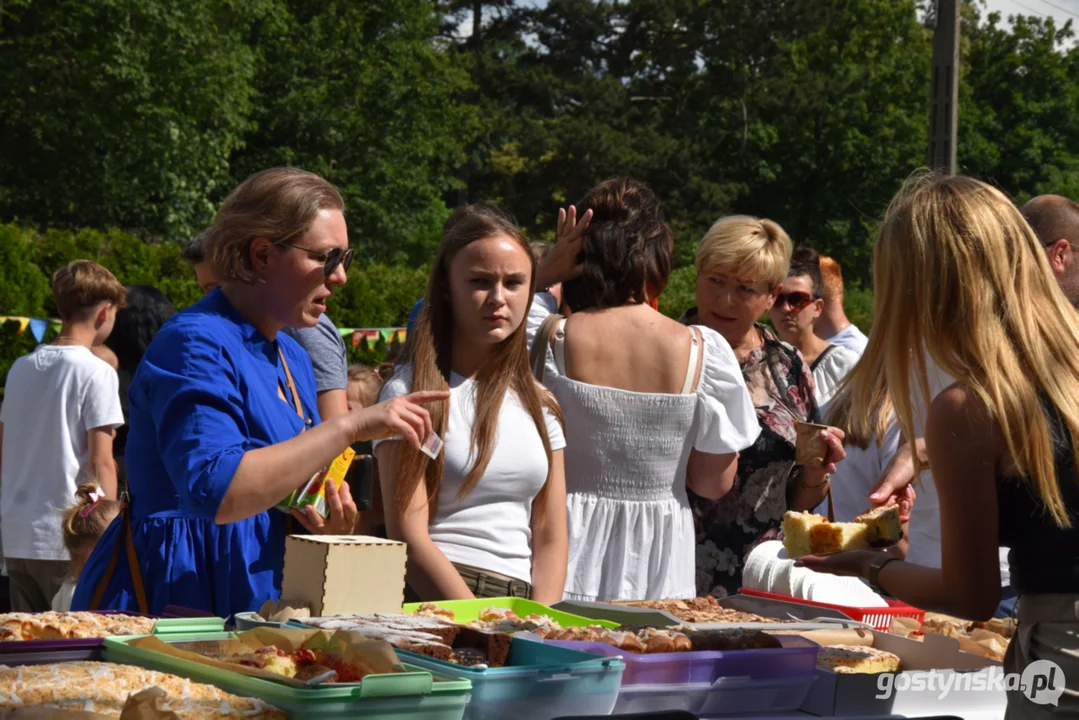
(631,533)
(829,369)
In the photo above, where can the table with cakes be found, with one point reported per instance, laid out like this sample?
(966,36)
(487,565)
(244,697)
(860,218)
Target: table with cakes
(791,644)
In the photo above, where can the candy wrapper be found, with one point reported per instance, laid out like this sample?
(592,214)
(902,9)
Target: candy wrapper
(314,492)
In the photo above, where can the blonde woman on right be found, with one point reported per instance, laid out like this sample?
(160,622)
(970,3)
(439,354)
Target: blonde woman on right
(961,282)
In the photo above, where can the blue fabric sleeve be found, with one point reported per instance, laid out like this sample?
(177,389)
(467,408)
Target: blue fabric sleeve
(194,395)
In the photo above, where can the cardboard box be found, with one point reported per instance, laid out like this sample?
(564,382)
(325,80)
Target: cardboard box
(344,574)
(937,679)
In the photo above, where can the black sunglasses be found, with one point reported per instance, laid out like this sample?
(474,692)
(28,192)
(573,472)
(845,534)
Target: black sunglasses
(330,260)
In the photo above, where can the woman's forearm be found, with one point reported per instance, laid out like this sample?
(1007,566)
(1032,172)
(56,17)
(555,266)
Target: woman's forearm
(549,557)
(925,588)
(268,474)
(806,489)
(431,575)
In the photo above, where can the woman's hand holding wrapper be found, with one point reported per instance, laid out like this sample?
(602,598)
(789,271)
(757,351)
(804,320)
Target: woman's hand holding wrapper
(401,417)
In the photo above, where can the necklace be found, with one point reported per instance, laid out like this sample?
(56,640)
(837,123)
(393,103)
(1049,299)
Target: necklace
(65,337)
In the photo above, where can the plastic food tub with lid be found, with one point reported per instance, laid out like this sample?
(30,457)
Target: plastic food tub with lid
(35,652)
(714,683)
(465,611)
(539,682)
(414,695)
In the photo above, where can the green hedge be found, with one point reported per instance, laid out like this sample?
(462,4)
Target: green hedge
(375,295)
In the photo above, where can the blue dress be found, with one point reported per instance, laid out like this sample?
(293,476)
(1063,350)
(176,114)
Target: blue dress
(205,393)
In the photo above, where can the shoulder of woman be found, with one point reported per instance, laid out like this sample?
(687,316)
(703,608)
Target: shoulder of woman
(400,383)
(191,336)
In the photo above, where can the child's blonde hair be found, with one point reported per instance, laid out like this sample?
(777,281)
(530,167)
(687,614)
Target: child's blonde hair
(365,384)
(85,522)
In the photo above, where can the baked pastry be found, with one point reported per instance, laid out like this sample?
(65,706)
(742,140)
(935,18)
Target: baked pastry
(704,610)
(104,688)
(796,529)
(829,537)
(884,525)
(70,626)
(857,659)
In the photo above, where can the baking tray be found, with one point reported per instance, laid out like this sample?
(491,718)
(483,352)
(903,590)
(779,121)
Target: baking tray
(30,652)
(809,618)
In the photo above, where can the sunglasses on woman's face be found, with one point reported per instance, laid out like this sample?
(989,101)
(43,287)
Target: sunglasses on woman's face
(330,260)
(796,301)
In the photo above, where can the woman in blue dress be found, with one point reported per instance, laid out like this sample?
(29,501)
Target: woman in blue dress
(224,420)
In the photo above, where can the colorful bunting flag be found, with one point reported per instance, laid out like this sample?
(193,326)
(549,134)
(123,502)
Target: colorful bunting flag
(369,337)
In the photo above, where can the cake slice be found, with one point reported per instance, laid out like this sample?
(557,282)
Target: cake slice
(832,537)
(857,659)
(884,525)
(796,528)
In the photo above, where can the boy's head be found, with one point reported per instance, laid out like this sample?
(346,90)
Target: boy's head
(195,254)
(364,386)
(87,294)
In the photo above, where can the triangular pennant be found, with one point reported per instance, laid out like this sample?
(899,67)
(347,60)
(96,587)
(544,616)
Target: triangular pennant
(357,337)
(345,332)
(386,333)
(55,327)
(23,323)
(38,327)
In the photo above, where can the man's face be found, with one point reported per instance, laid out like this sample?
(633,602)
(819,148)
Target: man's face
(204,276)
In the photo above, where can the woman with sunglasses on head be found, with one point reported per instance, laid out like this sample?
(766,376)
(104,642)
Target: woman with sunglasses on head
(224,420)
(795,311)
(741,264)
(964,288)
(485,517)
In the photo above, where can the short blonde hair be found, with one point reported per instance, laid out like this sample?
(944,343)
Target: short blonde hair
(277,204)
(746,247)
(80,285)
(366,383)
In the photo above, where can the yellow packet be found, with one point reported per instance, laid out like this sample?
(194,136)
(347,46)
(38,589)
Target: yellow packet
(314,492)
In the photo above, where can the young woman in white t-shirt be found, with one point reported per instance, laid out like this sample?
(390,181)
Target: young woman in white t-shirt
(487,516)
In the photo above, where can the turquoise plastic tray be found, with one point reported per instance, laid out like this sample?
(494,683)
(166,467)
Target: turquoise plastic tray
(539,682)
(413,695)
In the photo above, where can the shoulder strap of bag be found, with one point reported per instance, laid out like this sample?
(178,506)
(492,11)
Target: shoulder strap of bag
(541,343)
(127,541)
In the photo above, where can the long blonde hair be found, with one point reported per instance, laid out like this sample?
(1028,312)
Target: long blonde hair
(428,350)
(959,274)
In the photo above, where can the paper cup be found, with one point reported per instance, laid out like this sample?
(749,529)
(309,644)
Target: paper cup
(810,448)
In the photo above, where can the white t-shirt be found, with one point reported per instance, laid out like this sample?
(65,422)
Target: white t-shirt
(53,398)
(491,527)
(829,370)
(61,601)
(851,338)
(857,473)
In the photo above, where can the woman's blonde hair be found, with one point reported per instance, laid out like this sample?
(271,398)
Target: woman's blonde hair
(278,204)
(84,522)
(959,274)
(746,247)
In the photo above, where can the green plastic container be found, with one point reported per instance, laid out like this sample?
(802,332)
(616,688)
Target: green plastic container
(184,626)
(465,611)
(412,695)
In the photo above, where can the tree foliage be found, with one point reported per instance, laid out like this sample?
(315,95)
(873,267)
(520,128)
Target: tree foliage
(142,115)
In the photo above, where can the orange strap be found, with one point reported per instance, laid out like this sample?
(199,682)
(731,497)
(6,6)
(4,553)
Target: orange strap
(128,541)
(292,389)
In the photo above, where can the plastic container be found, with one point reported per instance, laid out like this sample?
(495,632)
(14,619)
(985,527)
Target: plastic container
(246,621)
(412,695)
(797,658)
(727,696)
(879,618)
(465,611)
(539,682)
(33,652)
(713,683)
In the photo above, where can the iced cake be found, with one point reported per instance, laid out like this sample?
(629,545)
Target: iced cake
(857,659)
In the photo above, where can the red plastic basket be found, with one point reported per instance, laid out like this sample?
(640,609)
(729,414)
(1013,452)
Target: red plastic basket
(879,618)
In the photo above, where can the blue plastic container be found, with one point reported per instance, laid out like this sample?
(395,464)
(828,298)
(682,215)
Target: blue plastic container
(539,682)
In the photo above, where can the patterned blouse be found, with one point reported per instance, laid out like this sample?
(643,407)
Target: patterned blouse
(781,386)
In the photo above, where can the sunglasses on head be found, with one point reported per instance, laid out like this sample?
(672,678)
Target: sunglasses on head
(330,260)
(794,300)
